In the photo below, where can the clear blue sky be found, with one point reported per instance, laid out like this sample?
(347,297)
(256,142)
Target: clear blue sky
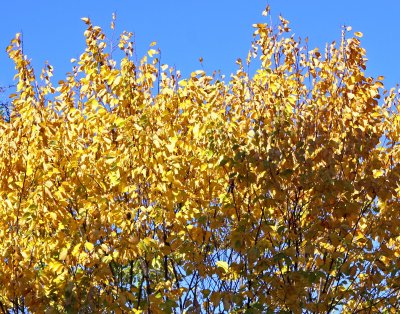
(218,30)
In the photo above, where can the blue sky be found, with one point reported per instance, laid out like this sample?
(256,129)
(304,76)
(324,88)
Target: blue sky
(219,31)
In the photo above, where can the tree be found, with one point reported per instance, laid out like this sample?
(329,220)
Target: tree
(127,188)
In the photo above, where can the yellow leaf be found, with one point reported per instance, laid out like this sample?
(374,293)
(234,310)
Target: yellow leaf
(196,130)
(106,259)
(89,246)
(63,254)
(171,146)
(182,83)
(105,248)
(266,11)
(222,264)
(358,34)
(29,169)
(377,173)
(115,178)
(203,167)
(86,20)
(152,52)
(56,266)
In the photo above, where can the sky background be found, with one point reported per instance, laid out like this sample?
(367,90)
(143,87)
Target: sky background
(219,31)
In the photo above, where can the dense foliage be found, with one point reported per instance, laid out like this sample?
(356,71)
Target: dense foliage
(125,188)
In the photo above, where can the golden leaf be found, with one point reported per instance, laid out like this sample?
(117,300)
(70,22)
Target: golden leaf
(89,246)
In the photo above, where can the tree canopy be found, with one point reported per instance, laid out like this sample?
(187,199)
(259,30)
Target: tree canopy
(127,188)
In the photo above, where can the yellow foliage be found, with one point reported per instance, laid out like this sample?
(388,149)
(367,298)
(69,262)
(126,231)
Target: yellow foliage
(274,191)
